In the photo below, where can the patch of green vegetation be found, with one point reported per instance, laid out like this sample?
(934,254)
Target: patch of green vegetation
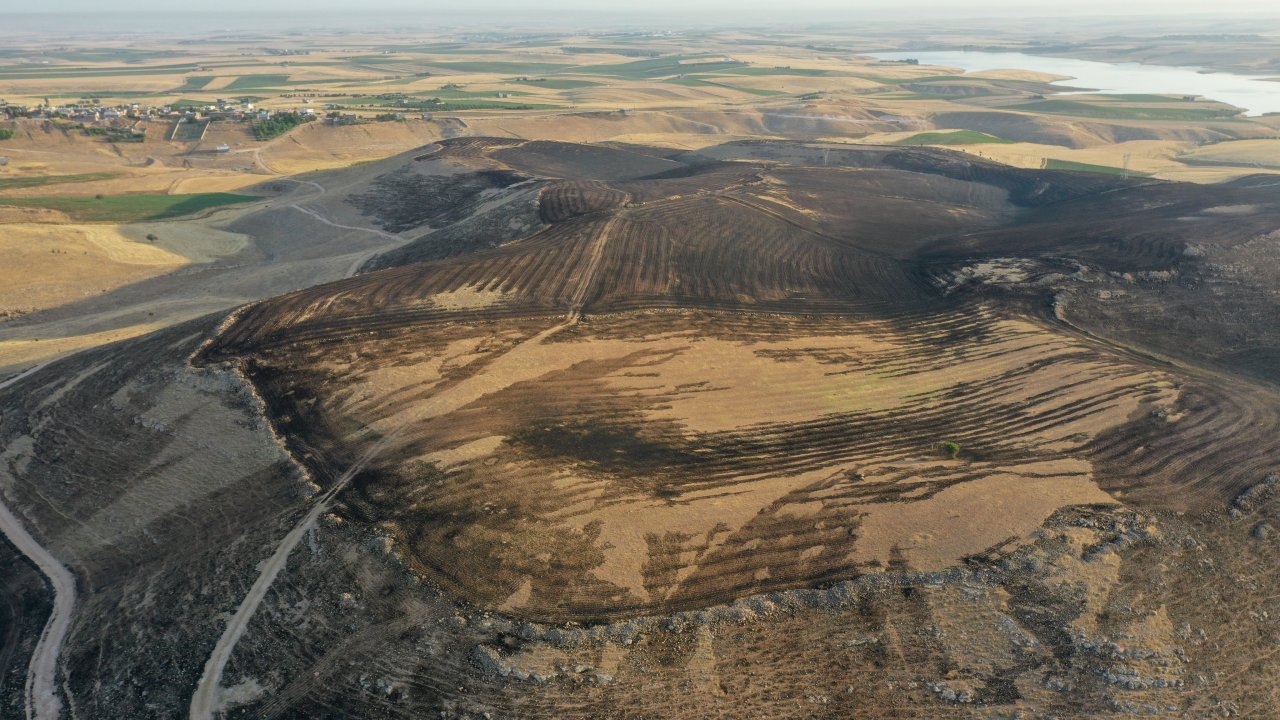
(957,137)
(39,180)
(256,82)
(187,131)
(6,134)
(437,104)
(375,59)
(937,91)
(556,83)
(428,48)
(110,55)
(952,449)
(498,66)
(279,124)
(130,208)
(23,72)
(481,105)
(903,80)
(193,82)
(702,80)
(455,93)
(762,70)
(1122,112)
(623,51)
(1051,164)
(115,135)
(659,67)
(91,95)
(1138,97)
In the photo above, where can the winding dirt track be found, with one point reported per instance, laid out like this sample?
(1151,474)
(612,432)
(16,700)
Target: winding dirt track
(204,700)
(42,701)
(504,371)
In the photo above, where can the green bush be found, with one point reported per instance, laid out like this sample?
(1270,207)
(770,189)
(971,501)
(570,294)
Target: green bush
(951,448)
(279,124)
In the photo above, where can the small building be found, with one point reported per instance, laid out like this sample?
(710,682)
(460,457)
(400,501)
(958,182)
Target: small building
(3,161)
(264,115)
(223,148)
(426,116)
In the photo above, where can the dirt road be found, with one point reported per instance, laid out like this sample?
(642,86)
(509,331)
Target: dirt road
(42,701)
(203,703)
(504,371)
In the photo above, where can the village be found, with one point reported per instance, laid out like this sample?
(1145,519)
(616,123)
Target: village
(130,122)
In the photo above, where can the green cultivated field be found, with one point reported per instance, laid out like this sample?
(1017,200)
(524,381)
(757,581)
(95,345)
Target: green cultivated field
(1051,164)
(503,67)
(905,80)
(1140,98)
(557,84)
(187,131)
(658,67)
(958,137)
(459,94)
(427,105)
(1121,112)
(21,72)
(193,82)
(699,80)
(37,181)
(478,105)
(129,208)
(761,70)
(254,82)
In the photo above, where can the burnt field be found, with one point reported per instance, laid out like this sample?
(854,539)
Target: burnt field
(772,429)
(770,366)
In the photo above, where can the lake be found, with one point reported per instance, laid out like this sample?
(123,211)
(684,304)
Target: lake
(1251,92)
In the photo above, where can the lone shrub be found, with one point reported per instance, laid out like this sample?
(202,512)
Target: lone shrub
(951,448)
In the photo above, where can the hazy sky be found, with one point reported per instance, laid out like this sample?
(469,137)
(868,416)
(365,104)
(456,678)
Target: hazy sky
(729,10)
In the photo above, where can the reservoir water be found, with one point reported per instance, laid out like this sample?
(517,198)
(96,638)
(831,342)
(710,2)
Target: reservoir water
(1255,94)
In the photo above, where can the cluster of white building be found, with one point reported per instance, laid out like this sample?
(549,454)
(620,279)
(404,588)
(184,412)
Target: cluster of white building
(131,113)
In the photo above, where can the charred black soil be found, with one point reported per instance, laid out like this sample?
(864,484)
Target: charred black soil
(879,267)
(771,429)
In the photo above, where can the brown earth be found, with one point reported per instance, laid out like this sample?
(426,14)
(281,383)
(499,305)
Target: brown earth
(760,365)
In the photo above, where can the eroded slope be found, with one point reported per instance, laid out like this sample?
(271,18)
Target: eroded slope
(730,378)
